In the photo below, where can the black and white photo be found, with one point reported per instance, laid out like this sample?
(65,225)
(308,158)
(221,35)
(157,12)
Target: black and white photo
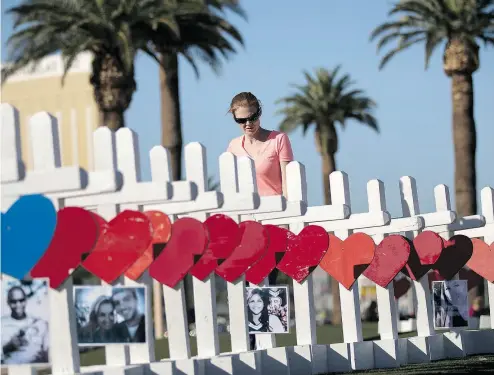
(110,315)
(25,322)
(268,309)
(450,300)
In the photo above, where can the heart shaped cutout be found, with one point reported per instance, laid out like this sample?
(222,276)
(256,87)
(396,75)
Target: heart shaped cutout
(346,260)
(224,236)
(27,229)
(425,250)
(188,242)
(390,257)
(278,240)
(254,241)
(162,230)
(304,252)
(482,260)
(75,236)
(428,246)
(456,253)
(121,242)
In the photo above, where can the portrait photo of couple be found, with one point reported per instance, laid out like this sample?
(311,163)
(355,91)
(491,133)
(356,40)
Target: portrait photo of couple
(110,315)
(268,309)
(450,304)
(25,322)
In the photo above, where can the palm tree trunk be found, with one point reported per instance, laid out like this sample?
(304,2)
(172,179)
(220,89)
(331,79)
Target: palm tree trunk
(171,125)
(171,131)
(113,120)
(465,144)
(328,167)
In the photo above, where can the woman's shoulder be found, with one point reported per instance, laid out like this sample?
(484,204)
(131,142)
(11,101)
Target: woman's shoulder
(276,134)
(235,144)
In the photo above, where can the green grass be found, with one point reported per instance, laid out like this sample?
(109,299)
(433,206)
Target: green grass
(325,334)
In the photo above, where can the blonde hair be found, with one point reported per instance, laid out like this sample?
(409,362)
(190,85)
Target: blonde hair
(246,99)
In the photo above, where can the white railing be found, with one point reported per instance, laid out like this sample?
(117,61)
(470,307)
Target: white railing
(115,185)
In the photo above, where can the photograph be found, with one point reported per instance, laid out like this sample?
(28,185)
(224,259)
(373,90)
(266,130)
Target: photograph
(25,321)
(110,315)
(450,304)
(268,309)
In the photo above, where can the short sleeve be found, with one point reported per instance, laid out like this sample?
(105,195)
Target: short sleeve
(285,152)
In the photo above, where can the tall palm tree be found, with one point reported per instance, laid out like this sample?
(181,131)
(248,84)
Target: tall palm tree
(324,100)
(203,37)
(112,30)
(461,24)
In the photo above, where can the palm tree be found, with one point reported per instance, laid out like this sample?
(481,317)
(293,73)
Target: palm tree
(113,31)
(461,24)
(324,100)
(203,37)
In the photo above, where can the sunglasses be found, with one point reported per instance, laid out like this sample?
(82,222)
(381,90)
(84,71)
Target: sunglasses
(22,300)
(251,118)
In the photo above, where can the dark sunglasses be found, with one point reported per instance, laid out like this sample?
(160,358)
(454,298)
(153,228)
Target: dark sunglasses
(22,300)
(251,118)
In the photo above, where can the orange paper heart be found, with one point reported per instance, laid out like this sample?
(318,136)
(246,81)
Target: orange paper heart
(162,230)
(482,260)
(346,260)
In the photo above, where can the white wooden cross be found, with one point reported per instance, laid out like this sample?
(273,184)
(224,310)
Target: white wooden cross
(175,302)
(47,176)
(389,354)
(45,145)
(430,345)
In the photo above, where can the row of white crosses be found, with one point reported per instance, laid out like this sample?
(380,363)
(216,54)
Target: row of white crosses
(239,200)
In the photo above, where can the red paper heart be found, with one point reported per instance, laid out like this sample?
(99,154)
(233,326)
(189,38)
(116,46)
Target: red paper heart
(346,260)
(224,236)
(253,245)
(401,287)
(304,252)
(390,257)
(121,242)
(278,239)
(162,230)
(425,250)
(482,260)
(428,246)
(188,242)
(456,253)
(75,235)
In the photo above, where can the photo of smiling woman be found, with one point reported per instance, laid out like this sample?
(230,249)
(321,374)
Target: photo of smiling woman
(266,311)
(450,304)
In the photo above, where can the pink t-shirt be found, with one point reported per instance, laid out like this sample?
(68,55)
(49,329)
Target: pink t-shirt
(277,148)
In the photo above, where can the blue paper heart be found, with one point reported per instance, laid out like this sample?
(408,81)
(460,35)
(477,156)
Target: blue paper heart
(27,229)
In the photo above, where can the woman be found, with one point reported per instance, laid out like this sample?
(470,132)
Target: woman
(450,304)
(257,313)
(102,328)
(270,150)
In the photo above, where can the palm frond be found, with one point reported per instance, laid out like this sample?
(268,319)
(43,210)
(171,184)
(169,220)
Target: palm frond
(434,22)
(325,98)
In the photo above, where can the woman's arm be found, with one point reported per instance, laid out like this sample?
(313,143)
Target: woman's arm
(275,324)
(283,165)
(286,156)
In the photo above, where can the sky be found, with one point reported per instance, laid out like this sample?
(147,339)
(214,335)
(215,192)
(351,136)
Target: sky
(285,37)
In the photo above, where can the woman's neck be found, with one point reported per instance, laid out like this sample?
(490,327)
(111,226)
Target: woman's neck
(258,136)
(256,318)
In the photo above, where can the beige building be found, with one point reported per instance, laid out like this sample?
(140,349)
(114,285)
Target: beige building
(32,91)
